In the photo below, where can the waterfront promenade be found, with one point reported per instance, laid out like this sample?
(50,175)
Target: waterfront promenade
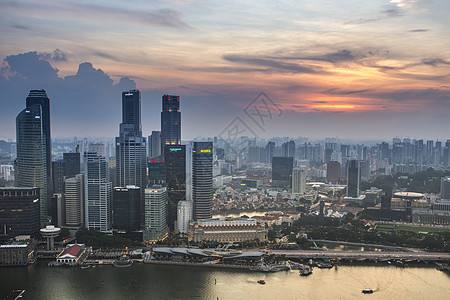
(363,255)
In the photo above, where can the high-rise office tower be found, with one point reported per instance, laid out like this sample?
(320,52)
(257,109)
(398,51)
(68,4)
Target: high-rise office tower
(175,160)
(170,121)
(282,171)
(189,148)
(126,208)
(299,180)
(57,176)
(40,97)
(353,178)
(202,179)
(74,188)
(19,212)
(333,171)
(33,167)
(131,157)
(71,165)
(155,214)
(154,142)
(98,192)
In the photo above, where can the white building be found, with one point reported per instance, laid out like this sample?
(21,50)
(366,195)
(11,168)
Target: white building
(185,213)
(299,180)
(74,201)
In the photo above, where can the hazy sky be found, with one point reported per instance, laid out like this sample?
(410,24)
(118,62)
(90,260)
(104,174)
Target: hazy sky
(346,68)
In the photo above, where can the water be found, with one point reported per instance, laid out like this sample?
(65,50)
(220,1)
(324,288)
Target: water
(142,281)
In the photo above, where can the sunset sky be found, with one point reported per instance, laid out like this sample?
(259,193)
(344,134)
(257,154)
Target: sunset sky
(345,68)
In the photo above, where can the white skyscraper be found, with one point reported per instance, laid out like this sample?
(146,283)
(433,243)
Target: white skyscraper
(299,180)
(74,201)
(98,193)
(184,215)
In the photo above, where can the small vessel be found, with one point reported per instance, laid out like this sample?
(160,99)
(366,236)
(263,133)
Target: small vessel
(324,266)
(367,291)
(85,266)
(305,271)
(122,261)
(261,281)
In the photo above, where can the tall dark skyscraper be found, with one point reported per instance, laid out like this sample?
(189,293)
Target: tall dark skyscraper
(33,165)
(131,168)
(154,144)
(71,165)
(170,121)
(202,178)
(126,208)
(175,159)
(282,171)
(353,178)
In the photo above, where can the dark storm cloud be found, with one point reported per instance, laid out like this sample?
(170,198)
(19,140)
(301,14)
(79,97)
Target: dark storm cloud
(435,61)
(274,64)
(88,99)
(21,27)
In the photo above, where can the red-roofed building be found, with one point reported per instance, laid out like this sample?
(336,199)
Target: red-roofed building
(72,255)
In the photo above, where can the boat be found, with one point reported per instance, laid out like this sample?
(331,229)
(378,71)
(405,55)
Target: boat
(367,291)
(85,266)
(324,266)
(122,261)
(305,271)
(261,281)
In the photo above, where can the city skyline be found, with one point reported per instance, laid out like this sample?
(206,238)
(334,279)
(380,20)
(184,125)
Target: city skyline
(335,69)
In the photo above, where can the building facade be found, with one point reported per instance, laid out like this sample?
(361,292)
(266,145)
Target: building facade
(353,178)
(226,230)
(156,228)
(185,213)
(282,171)
(126,208)
(299,180)
(33,167)
(19,212)
(175,160)
(74,201)
(98,193)
(202,179)
(170,121)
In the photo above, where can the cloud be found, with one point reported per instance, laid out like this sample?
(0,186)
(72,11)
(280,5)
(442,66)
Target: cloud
(435,61)
(56,55)
(336,91)
(164,17)
(88,100)
(274,64)
(419,30)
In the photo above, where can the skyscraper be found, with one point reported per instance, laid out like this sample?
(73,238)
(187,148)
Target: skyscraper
(175,160)
(131,167)
(170,120)
(202,179)
(126,208)
(98,192)
(154,144)
(33,167)
(299,180)
(282,171)
(71,166)
(353,178)
(184,215)
(333,171)
(155,214)
(74,201)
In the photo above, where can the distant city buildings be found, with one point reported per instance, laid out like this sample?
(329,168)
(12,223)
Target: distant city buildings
(299,175)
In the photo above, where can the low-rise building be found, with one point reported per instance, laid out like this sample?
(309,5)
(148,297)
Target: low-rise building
(226,230)
(74,254)
(19,252)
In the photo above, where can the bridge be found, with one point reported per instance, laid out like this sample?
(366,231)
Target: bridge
(363,255)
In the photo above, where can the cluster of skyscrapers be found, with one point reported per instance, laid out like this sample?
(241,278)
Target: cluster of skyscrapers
(141,194)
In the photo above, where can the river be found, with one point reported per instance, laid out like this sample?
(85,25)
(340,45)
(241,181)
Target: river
(142,281)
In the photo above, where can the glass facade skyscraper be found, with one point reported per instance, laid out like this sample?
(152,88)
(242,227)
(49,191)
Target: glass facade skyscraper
(170,120)
(33,166)
(202,179)
(131,157)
